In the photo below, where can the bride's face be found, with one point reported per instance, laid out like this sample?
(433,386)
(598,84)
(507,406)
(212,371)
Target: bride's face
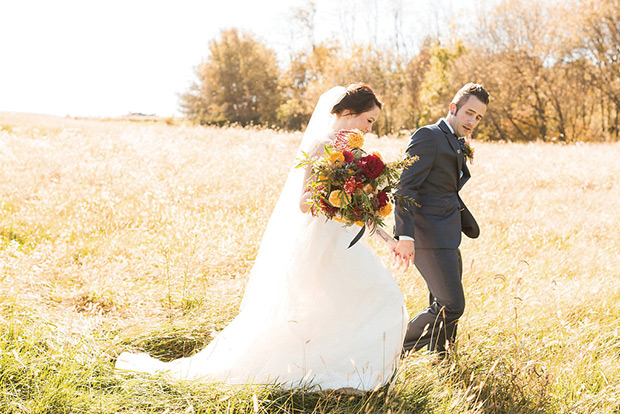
(363,121)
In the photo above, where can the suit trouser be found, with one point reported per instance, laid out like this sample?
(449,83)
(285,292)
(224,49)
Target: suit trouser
(442,269)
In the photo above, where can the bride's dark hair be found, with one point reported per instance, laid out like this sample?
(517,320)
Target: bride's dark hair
(358,98)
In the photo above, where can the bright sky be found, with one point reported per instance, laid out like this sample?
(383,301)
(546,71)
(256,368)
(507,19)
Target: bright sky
(113,57)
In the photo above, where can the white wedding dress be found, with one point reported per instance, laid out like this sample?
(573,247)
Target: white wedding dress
(315,314)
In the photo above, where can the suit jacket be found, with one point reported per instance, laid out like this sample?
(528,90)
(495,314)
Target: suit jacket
(434,182)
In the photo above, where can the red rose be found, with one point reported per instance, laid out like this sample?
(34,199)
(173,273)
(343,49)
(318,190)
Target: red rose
(371,165)
(348,156)
(383,198)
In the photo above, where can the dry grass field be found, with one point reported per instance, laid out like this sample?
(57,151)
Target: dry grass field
(120,235)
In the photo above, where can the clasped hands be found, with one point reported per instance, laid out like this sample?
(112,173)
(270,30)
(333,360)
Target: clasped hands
(403,254)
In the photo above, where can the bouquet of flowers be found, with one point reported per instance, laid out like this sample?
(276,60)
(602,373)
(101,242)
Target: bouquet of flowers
(350,186)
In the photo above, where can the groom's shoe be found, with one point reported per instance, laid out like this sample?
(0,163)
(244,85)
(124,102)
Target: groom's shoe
(412,349)
(434,358)
(446,355)
(416,350)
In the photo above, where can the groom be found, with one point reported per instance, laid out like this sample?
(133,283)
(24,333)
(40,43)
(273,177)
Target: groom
(429,233)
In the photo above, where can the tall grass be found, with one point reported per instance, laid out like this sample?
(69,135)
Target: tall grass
(116,235)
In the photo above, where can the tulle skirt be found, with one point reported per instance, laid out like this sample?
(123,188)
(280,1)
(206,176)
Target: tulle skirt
(315,314)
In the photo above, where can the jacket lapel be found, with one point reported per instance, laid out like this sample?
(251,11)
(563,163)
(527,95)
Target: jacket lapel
(453,143)
(466,176)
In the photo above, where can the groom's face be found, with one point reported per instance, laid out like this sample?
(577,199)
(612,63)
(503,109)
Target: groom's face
(467,118)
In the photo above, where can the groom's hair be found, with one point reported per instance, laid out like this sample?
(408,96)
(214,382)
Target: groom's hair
(358,99)
(471,89)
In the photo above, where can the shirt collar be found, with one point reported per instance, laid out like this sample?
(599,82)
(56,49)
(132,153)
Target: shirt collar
(449,126)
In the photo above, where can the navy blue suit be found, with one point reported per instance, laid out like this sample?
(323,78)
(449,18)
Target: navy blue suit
(436,224)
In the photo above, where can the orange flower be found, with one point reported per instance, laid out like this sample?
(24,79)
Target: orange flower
(385,210)
(336,157)
(336,196)
(356,140)
(368,189)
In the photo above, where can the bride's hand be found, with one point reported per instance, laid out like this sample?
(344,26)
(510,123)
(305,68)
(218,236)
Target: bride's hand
(403,254)
(304,205)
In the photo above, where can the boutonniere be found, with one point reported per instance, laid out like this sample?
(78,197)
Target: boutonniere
(468,150)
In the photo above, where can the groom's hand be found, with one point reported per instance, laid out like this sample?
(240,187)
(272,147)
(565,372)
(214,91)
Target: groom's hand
(403,254)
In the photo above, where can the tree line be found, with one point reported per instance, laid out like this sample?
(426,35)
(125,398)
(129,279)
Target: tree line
(552,69)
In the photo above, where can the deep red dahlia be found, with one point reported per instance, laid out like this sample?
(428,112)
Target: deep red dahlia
(348,156)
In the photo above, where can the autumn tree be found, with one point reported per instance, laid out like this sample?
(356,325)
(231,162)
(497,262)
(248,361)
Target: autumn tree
(414,75)
(303,82)
(552,68)
(599,43)
(238,83)
(381,69)
(436,86)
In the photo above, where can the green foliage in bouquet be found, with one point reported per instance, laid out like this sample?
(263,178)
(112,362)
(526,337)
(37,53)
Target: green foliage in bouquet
(351,186)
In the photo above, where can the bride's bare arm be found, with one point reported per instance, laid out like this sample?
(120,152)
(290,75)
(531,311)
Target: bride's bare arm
(308,178)
(385,238)
(305,196)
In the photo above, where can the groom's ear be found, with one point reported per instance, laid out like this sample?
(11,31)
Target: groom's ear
(452,108)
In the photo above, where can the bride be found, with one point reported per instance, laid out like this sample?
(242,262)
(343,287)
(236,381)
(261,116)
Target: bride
(315,314)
